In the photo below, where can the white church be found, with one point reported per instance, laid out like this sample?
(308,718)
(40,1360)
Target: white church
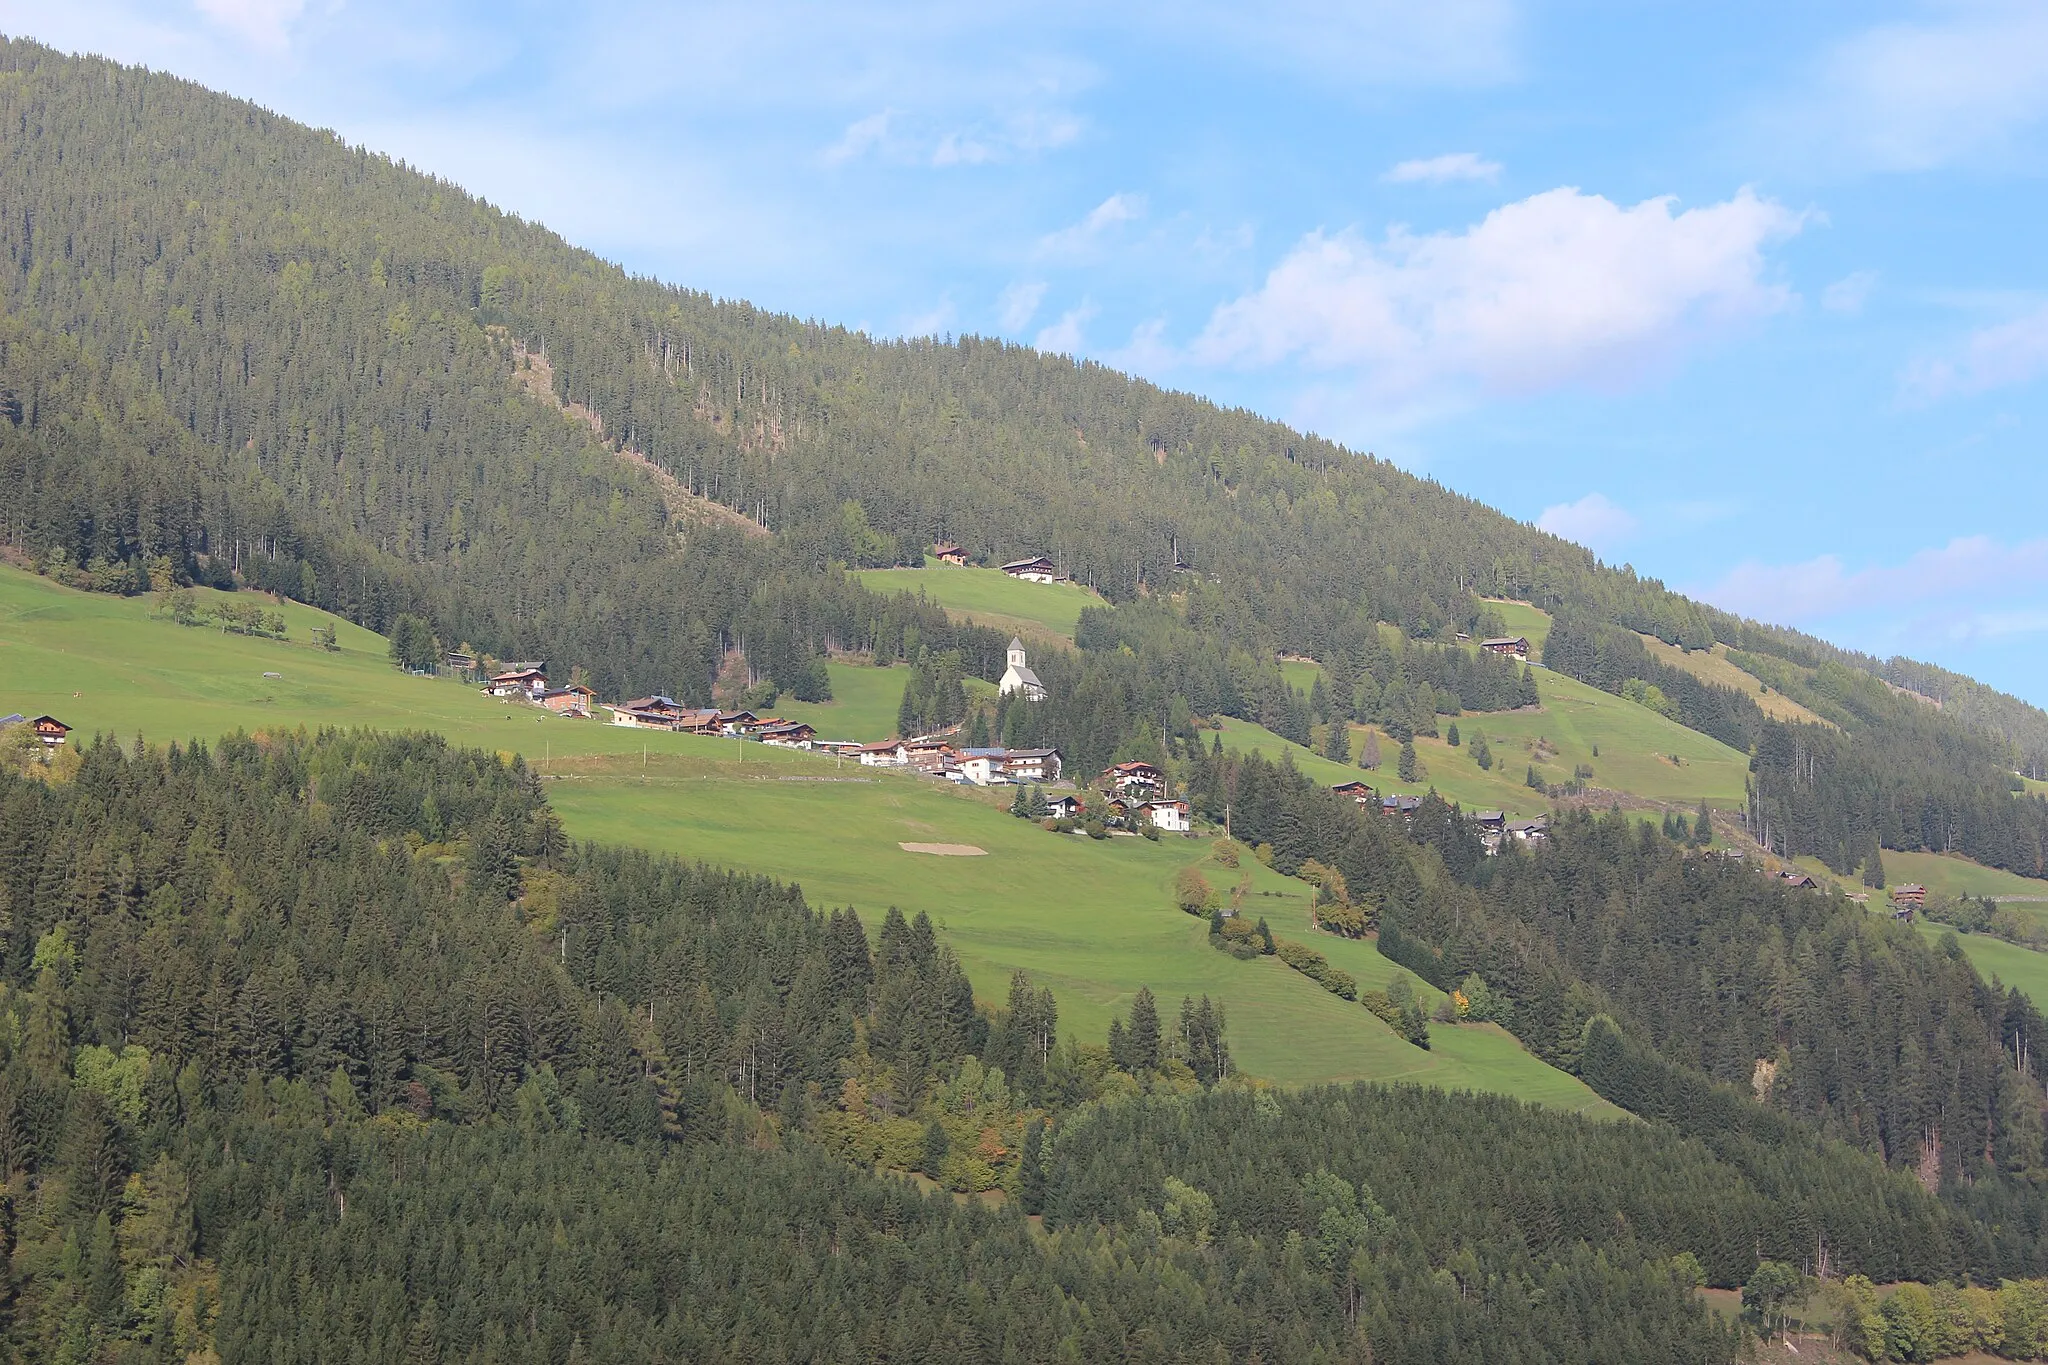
(1018,677)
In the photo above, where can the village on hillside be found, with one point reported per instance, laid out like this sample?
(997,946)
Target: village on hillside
(1134,795)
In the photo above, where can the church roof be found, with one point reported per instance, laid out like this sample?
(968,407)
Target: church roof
(1016,642)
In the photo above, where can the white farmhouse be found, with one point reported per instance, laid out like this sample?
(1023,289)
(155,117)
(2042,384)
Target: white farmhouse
(1037,569)
(1018,677)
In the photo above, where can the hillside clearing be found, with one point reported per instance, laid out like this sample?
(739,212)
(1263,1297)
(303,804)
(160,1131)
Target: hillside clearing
(1715,667)
(1093,919)
(1636,751)
(992,598)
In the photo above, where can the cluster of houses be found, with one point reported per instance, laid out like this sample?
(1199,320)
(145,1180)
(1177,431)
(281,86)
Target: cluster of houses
(1493,826)
(937,756)
(51,731)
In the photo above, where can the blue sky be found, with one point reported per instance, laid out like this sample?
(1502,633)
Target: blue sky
(1749,296)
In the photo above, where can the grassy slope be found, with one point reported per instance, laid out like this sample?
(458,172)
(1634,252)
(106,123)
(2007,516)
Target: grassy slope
(1635,744)
(863,705)
(1943,876)
(992,598)
(1714,666)
(1094,920)
(1523,619)
(2009,963)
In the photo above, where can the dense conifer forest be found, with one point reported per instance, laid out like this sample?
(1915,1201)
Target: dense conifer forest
(233,349)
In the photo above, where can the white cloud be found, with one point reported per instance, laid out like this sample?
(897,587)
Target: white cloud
(1082,236)
(930,323)
(1440,170)
(861,137)
(1850,293)
(1982,627)
(1561,287)
(1065,337)
(264,23)
(956,149)
(1966,571)
(1019,304)
(1147,353)
(2013,352)
(1958,85)
(1592,521)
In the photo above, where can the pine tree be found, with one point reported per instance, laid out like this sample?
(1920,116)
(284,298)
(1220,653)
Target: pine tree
(932,1156)
(1031,1168)
(1337,745)
(1144,1033)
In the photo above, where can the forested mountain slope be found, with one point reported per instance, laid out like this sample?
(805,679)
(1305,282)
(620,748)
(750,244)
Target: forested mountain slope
(332,1049)
(233,347)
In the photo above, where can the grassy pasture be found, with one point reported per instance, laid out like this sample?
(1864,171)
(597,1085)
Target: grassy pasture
(992,597)
(863,705)
(2012,965)
(1095,920)
(1636,747)
(1524,619)
(1943,875)
(1715,667)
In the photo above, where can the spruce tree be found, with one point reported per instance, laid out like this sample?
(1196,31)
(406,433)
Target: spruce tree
(1703,825)
(1407,767)
(1143,1038)
(1031,1168)
(933,1154)
(1369,752)
(1451,735)
(1337,745)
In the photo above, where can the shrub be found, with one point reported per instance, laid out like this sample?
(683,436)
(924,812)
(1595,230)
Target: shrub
(1317,968)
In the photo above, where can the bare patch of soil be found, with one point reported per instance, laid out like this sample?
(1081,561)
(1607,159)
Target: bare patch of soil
(946,850)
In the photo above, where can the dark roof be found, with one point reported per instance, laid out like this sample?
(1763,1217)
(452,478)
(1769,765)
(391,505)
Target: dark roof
(1026,563)
(1507,640)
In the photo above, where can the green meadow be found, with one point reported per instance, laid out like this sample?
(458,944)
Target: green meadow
(1943,875)
(1093,919)
(863,705)
(1640,752)
(991,597)
(1523,619)
(1994,958)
